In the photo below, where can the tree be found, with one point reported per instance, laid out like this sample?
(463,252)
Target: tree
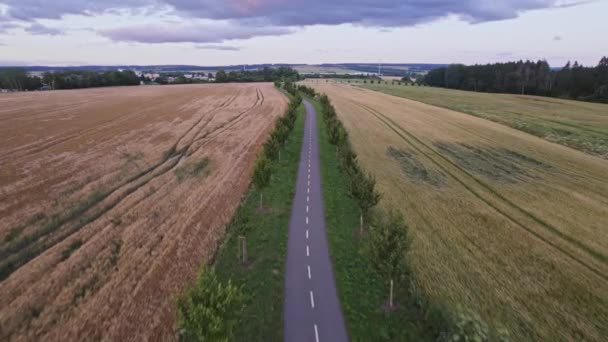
(261,176)
(221,77)
(363,190)
(388,246)
(209,310)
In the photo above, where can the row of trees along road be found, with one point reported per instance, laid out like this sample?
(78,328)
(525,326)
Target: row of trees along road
(388,240)
(573,81)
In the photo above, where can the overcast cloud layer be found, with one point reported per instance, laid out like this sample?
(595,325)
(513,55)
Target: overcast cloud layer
(244,19)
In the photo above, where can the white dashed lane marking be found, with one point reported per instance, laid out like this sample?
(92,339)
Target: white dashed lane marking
(307,251)
(309,275)
(316,334)
(312,300)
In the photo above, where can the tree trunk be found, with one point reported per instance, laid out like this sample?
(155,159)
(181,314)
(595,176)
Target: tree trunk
(390,300)
(361,223)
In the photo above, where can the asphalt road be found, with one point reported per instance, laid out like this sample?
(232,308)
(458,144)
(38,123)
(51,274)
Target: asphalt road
(311,309)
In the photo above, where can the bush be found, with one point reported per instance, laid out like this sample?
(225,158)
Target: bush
(209,310)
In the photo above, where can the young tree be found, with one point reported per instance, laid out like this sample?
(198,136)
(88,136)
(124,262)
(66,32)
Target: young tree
(261,176)
(363,189)
(388,246)
(209,310)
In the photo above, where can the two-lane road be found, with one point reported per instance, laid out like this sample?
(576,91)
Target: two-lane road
(311,309)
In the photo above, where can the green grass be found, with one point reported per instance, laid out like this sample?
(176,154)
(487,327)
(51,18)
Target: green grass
(579,125)
(262,278)
(362,292)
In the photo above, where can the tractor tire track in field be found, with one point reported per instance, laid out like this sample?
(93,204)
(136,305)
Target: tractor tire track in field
(418,145)
(14,255)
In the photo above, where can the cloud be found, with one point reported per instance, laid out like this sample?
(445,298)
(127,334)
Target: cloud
(295,12)
(243,19)
(218,47)
(196,33)
(29,10)
(384,13)
(39,29)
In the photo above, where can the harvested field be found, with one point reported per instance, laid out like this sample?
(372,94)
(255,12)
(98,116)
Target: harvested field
(112,198)
(580,125)
(504,223)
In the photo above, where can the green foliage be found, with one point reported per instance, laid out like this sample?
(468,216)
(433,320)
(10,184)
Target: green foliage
(467,326)
(388,244)
(280,74)
(363,188)
(209,310)
(18,79)
(530,78)
(89,79)
(261,173)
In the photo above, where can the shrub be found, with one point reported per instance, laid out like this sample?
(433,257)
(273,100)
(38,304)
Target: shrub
(209,310)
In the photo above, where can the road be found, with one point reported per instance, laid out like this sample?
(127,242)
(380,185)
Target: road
(311,309)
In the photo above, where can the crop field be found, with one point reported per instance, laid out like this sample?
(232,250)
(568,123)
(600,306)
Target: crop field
(580,125)
(112,198)
(504,223)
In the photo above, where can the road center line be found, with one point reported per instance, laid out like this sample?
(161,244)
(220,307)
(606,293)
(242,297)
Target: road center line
(306,219)
(309,275)
(307,208)
(316,334)
(307,199)
(306,234)
(307,251)
(312,300)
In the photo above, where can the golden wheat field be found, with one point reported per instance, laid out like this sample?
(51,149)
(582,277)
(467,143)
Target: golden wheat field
(112,198)
(504,223)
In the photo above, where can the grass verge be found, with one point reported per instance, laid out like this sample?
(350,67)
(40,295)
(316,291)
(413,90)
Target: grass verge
(261,278)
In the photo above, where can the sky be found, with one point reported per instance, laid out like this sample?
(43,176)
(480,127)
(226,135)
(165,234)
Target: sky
(222,32)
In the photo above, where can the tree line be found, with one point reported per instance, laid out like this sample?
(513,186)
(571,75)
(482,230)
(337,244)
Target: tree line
(18,79)
(573,81)
(89,79)
(281,74)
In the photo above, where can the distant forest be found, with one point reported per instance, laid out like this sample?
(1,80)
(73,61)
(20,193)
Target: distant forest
(18,79)
(573,81)
(284,74)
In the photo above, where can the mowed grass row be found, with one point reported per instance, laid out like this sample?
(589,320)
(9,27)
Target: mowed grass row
(503,223)
(261,278)
(579,125)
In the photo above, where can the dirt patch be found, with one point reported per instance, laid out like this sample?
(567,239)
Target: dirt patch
(497,164)
(414,169)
